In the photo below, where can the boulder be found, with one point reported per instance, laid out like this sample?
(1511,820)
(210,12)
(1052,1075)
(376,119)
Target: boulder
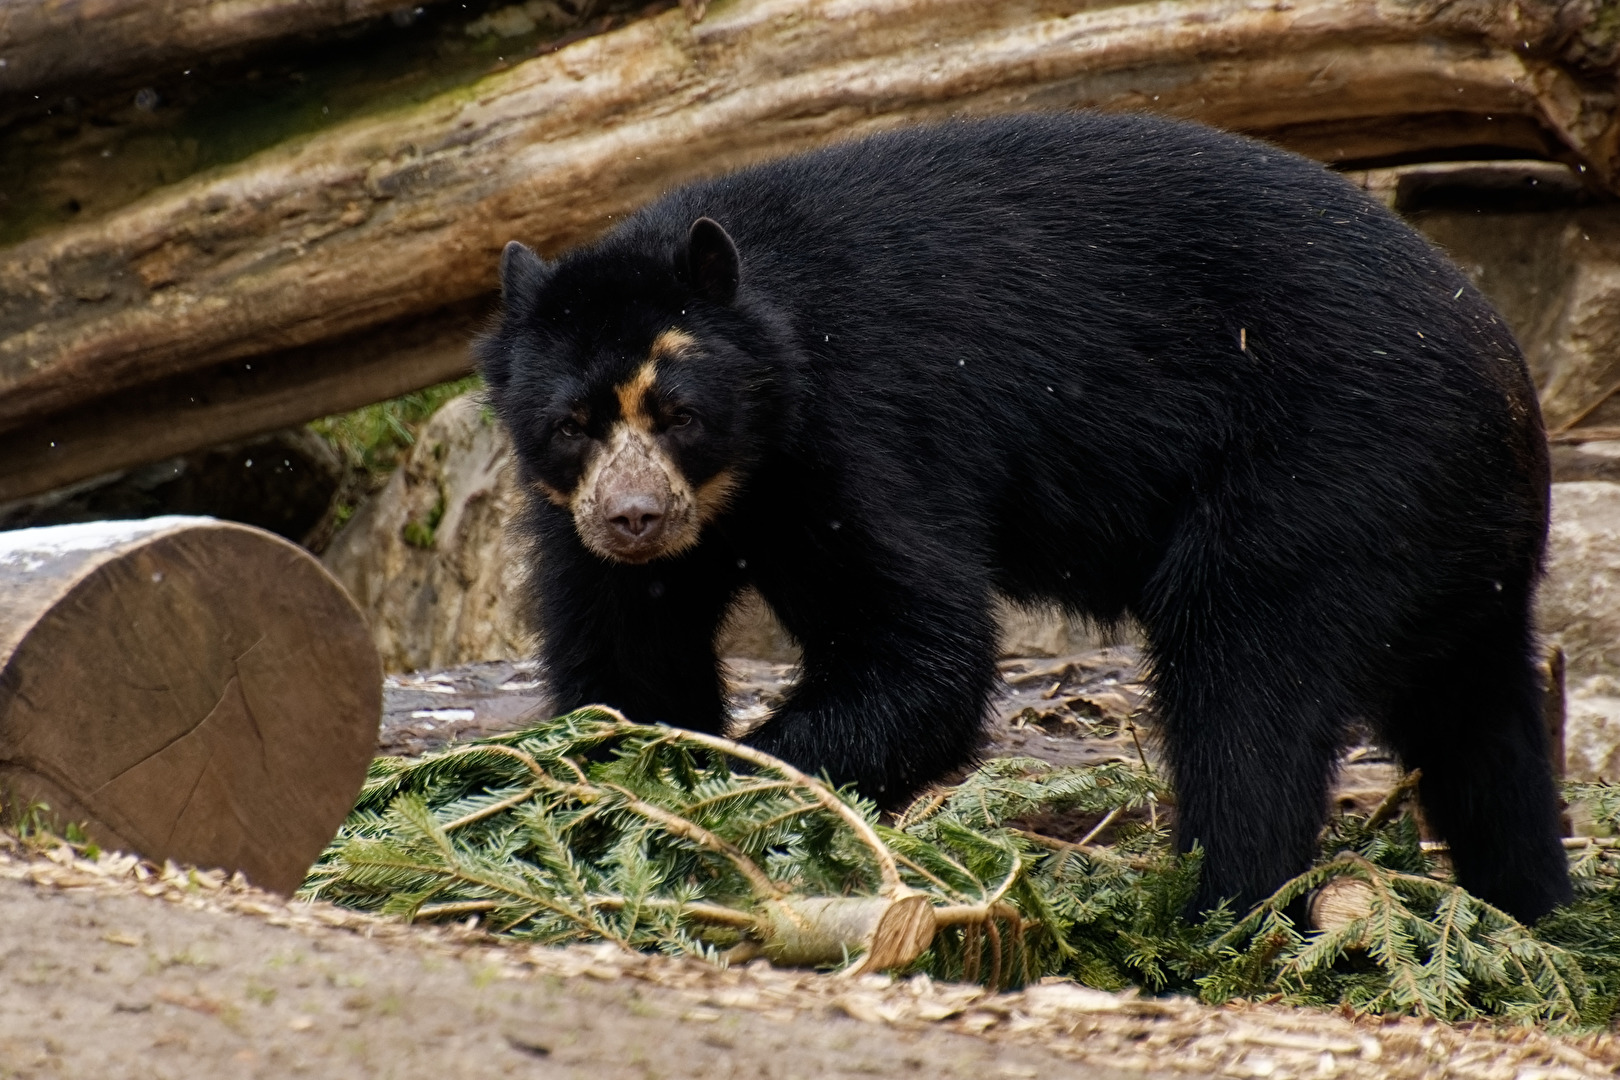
(1579,611)
(427,558)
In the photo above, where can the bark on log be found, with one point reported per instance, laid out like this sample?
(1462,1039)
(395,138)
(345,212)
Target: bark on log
(47,43)
(189,689)
(390,218)
(884,932)
(236,399)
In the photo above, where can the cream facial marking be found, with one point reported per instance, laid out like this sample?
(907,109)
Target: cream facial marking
(672,344)
(714,494)
(557,498)
(632,396)
(633,504)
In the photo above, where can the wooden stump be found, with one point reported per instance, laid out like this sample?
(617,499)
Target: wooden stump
(185,688)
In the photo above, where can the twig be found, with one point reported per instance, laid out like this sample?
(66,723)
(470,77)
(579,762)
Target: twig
(1153,803)
(1392,801)
(762,885)
(930,804)
(1006,883)
(496,748)
(452,872)
(990,931)
(970,948)
(490,810)
(1108,819)
(973,914)
(1573,843)
(463,907)
(1090,850)
(1129,726)
(545,779)
(892,887)
(709,913)
(923,872)
(776,819)
(754,789)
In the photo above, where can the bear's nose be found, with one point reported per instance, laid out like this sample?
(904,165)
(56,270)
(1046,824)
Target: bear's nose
(637,516)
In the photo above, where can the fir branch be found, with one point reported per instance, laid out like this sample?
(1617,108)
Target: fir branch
(588,827)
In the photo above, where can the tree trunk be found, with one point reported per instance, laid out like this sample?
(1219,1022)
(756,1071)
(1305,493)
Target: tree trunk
(53,42)
(186,689)
(333,241)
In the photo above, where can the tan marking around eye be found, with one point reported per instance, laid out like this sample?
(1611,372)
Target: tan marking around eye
(671,343)
(558,498)
(633,397)
(714,494)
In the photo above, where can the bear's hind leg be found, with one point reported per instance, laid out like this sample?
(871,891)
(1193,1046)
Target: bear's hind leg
(1473,723)
(1252,743)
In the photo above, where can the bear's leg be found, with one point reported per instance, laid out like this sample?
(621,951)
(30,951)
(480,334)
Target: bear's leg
(1252,742)
(1473,723)
(1247,653)
(638,638)
(888,704)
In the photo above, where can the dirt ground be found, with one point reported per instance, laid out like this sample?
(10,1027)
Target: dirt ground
(108,986)
(115,968)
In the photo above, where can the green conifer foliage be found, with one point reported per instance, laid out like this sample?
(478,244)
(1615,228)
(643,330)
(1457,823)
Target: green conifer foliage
(591,828)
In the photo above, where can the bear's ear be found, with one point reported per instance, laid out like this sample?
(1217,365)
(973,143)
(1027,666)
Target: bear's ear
(711,261)
(521,270)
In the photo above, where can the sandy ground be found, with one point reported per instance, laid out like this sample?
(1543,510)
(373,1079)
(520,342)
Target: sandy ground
(114,968)
(103,980)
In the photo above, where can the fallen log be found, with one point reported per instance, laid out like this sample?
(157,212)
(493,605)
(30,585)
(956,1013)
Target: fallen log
(390,218)
(186,689)
(236,399)
(50,44)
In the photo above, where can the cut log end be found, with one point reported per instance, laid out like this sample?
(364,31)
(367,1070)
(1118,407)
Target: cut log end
(880,933)
(1340,902)
(186,689)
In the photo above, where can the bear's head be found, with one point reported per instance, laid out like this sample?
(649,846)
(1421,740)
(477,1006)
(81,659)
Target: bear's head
(631,380)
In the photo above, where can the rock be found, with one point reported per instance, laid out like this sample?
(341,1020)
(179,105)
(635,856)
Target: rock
(1598,459)
(1592,729)
(1579,610)
(1547,254)
(427,558)
(284,482)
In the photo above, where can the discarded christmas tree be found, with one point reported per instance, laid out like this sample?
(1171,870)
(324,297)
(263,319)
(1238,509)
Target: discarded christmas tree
(589,828)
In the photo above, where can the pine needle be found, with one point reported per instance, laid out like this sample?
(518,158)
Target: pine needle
(589,827)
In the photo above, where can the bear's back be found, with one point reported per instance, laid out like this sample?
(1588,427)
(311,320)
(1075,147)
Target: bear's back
(1151,306)
(1149,238)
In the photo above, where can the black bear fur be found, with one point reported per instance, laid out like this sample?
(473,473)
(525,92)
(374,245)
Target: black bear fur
(1137,367)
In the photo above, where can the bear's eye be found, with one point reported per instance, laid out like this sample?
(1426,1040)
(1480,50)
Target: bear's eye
(569,428)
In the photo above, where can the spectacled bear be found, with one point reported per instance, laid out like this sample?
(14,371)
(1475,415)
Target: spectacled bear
(1137,367)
